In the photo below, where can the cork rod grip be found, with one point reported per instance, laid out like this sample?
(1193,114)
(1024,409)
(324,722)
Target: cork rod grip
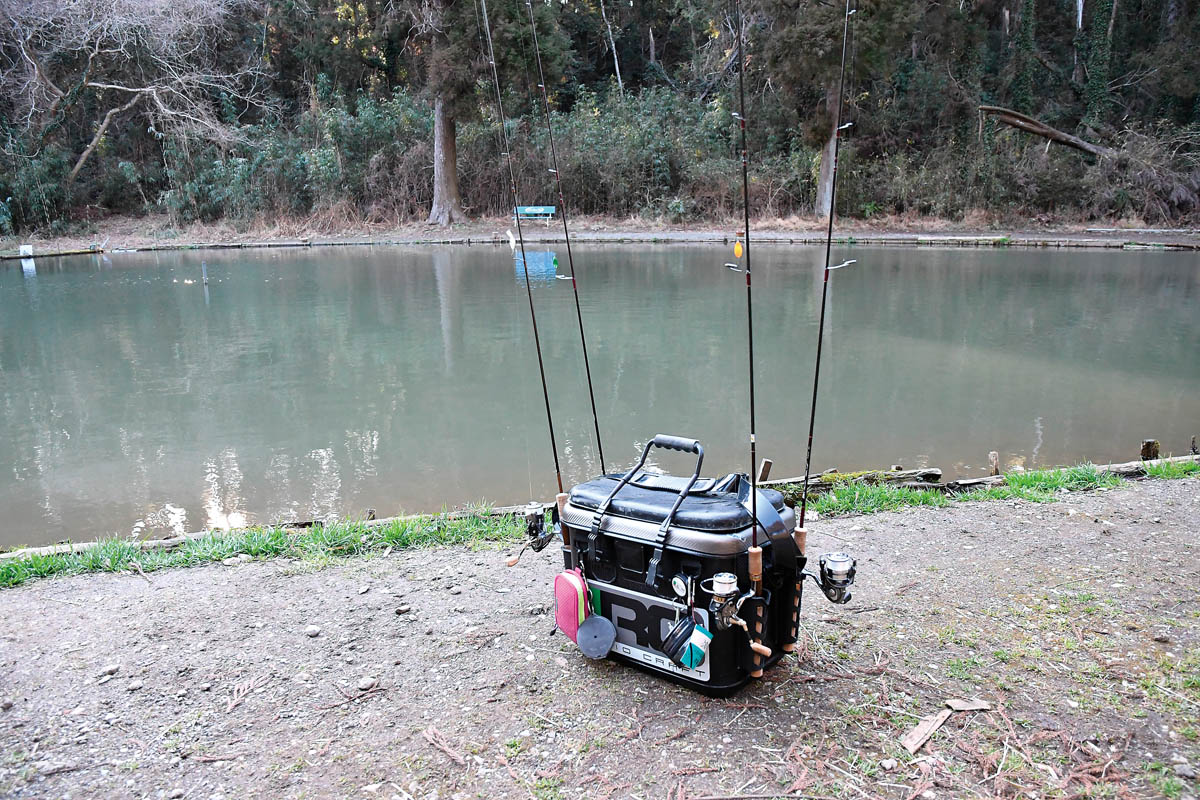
(756,568)
(561,500)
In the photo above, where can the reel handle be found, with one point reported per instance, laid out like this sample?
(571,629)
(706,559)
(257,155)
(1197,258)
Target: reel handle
(757,647)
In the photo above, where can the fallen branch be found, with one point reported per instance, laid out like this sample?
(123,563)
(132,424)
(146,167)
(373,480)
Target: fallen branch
(435,738)
(1028,124)
(633,732)
(671,738)
(773,796)
(242,690)
(70,768)
(352,698)
(212,759)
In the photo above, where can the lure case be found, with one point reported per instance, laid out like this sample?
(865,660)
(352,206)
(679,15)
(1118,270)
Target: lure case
(570,602)
(641,536)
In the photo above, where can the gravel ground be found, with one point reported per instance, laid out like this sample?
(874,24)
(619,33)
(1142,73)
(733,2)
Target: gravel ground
(434,674)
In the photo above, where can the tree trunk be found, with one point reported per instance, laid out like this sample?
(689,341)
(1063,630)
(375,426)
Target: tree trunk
(612,42)
(1077,44)
(1024,78)
(1104,17)
(447,202)
(1172,12)
(828,155)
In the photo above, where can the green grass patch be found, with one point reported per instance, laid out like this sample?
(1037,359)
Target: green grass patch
(870,499)
(318,544)
(1071,479)
(960,668)
(1005,493)
(859,493)
(1164,780)
(1177,469)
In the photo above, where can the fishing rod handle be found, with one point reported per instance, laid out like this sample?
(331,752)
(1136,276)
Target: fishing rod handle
(679,443)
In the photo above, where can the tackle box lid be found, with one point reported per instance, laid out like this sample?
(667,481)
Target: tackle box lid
(715,511)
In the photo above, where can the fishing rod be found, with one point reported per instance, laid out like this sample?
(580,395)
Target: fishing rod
(837,140)
(562,203)
(741,117)
(512,179)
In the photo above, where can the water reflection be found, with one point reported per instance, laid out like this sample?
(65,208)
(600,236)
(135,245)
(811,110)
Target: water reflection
(320,383)
(322,474)
(222,495)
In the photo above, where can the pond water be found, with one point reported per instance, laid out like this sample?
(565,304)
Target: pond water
(306,383)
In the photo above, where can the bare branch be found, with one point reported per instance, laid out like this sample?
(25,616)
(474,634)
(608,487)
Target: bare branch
(61,51)
(91,148)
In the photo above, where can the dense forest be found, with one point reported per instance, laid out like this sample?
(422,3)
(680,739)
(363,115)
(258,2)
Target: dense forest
(383,111)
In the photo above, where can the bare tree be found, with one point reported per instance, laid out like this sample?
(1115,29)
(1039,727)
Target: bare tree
(612,43)
(104,58)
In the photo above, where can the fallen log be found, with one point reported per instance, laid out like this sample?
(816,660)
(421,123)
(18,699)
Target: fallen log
(1125,469)
(1022,122)
(832,478)
(929,478)
(1137,469)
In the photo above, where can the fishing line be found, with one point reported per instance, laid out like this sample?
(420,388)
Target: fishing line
(478,25)
(837,140)
(523,384)
(512,177)
(587,368)
(741,117)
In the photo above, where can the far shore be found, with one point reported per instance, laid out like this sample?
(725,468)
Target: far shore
(155,232)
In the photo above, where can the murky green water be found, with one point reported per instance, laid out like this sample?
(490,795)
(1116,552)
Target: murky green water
(309,383)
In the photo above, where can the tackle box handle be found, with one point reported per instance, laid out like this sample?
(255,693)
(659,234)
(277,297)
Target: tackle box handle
(677,443)
(667,442)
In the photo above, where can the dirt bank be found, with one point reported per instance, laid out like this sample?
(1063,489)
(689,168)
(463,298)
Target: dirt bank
(156,232)
(434,673)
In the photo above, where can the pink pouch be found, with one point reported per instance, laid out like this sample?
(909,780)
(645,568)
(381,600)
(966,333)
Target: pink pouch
(570,602)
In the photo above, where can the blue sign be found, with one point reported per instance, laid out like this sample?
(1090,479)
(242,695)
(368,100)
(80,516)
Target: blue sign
(543,265)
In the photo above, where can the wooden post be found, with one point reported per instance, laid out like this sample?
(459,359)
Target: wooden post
(993,463)
(561,500)
(1149,449)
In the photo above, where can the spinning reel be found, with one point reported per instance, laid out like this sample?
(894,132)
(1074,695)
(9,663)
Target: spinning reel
(537,535)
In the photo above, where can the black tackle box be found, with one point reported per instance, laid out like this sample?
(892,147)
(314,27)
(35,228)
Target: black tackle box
(640,536)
